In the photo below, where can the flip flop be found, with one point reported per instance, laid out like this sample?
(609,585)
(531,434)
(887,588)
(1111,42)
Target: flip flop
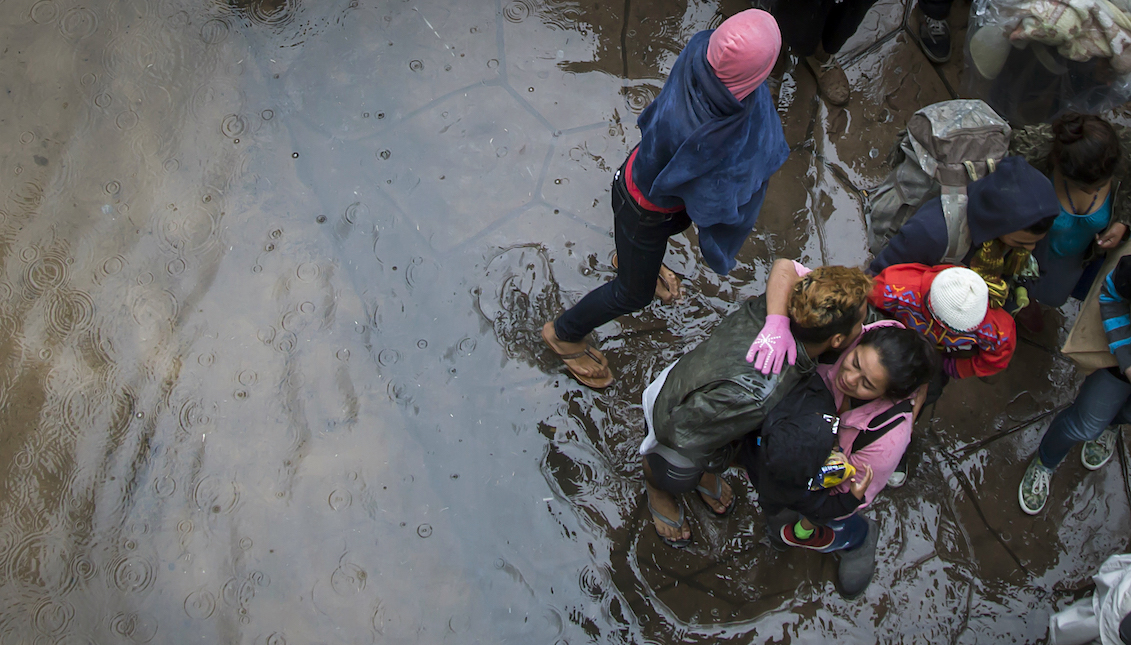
(716,495)
(681,543)
(594,382)
(660,283)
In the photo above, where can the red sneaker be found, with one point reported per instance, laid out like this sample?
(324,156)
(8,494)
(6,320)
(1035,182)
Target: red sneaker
(822,537)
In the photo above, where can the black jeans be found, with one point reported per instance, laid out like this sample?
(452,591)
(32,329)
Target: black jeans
(937,9)
(805,24)
(935,388)
(642,240)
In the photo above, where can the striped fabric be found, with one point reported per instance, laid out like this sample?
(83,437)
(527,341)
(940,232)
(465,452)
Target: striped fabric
(1116,313)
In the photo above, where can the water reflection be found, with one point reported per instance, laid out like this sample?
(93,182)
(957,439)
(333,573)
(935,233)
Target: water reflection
(270,281)
(266,12)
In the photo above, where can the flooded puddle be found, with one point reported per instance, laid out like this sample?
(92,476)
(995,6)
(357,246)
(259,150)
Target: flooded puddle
(271,280)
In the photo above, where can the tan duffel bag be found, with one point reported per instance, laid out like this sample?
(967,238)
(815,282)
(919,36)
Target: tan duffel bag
(1086,344)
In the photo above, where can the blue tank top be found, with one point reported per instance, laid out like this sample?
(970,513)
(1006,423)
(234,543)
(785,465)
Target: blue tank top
(1071,234)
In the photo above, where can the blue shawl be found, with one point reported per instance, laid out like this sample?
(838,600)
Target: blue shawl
(705,150)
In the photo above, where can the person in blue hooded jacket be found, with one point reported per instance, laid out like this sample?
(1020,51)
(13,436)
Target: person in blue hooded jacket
(709,144)
(1007,213)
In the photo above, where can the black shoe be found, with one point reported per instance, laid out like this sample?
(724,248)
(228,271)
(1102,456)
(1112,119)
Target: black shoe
(934,38)
(857,566)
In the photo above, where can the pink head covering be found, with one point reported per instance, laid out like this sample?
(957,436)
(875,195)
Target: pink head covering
(742,51)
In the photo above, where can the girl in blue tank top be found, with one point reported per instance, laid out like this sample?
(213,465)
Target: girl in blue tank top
(1082,160)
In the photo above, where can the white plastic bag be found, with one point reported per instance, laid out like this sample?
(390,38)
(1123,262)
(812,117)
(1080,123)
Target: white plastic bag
(1032,60)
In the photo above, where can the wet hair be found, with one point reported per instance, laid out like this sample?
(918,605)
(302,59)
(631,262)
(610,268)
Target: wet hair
(1042,226)
(1085,148)
(909,358)
(827,302)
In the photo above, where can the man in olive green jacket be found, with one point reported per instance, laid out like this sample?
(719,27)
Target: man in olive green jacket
(699,408)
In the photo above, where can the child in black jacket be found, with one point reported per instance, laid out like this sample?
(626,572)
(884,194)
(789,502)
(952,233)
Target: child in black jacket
(785,466)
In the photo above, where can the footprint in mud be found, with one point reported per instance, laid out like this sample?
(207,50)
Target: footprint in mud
(518,295)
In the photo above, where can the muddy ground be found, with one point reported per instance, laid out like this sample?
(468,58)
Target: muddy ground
(271,279)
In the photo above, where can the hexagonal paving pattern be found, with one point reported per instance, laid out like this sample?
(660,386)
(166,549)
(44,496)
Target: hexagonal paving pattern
(272,280)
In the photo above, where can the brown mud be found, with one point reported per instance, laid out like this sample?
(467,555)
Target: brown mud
(271,280)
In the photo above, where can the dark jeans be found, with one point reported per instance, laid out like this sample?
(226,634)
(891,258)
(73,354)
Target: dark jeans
(805,24)
(935,387)
(642,240)
(1103,400)
(850,533)
(937,9)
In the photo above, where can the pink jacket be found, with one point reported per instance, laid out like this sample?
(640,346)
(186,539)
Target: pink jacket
(884,453)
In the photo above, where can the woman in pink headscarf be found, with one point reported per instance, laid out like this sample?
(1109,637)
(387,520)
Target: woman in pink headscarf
(709,144)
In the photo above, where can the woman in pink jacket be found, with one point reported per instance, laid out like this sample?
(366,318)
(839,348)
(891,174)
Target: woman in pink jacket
(879,382)
(879,385)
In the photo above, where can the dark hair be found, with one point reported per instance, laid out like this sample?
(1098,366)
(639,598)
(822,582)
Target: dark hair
(1085,148)
(909,358)
(1042,226)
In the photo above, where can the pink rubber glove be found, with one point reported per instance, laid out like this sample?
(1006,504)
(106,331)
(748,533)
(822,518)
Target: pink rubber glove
(773,346)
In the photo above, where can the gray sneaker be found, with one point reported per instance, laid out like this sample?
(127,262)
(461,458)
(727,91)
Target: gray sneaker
(1096,453)
(1034,489)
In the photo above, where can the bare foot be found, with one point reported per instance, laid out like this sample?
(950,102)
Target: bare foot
(666,506)
(726,496)
(668,286)
(585,362)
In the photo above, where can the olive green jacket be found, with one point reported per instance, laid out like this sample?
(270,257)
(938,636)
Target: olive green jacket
(1034,143)
(713,397)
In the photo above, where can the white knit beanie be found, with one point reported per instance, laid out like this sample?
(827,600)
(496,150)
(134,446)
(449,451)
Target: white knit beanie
(959,298)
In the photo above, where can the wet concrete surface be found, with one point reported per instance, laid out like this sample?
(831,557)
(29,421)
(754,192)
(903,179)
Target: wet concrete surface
(272,280)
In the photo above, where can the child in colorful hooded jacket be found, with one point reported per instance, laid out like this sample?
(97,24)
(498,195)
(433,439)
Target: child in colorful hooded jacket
(950,306)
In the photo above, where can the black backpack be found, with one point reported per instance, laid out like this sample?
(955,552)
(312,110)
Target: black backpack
(799,432)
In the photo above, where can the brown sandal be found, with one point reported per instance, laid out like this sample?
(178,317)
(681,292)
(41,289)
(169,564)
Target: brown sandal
(661,284)
(595,382)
